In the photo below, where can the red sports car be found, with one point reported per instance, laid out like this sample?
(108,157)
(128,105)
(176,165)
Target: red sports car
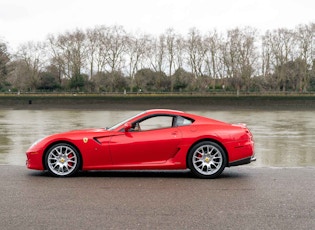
(152,140)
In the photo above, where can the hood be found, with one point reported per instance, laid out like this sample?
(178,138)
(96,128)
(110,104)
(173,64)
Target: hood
(95,130)
(83,132)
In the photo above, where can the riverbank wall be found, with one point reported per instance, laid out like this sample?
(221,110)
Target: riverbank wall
(143,102)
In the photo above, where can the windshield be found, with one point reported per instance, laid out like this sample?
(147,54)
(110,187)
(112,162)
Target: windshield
(124,121)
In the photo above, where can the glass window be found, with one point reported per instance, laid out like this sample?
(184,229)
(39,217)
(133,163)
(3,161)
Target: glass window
(182,121)
(157,122)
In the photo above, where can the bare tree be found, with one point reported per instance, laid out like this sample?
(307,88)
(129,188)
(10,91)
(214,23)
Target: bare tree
(180,52)
(92,45)
(157,59)
(248,55)
(195,51)
(56,56)
(31,58)
(156,54)
(70,51)
(136,51)
(78,51)
(116,46)
(102,50)
(282,51)
(213,56)
(4,61)
(305,38)
(240,56)
(266,54)
(231,55)
(171,52)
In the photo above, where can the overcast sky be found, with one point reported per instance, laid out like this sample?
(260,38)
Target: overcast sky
(32,20)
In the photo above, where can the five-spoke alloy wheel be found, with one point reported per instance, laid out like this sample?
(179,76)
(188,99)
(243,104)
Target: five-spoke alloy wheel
(62,160)
(207,159)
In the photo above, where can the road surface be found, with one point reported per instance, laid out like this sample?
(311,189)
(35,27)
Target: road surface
(242,198)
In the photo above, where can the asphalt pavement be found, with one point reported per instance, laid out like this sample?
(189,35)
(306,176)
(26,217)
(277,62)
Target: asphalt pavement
(242,198)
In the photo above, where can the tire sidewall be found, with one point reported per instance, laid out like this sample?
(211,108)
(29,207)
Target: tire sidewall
(191,165)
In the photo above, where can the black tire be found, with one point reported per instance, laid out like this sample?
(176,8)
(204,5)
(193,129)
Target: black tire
(62,160)
(206,160)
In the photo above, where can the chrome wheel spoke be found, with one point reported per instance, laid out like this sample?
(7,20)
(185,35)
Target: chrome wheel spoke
(60,169)
(209,168)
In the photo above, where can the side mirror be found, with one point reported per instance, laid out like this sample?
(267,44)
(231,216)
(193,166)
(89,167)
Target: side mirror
(127,126)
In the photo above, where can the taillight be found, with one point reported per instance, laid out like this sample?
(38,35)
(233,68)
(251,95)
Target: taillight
(249,134)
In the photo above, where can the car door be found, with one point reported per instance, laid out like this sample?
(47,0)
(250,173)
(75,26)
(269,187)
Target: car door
(150,145)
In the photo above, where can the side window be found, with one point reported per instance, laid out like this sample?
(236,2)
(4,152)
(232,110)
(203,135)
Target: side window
(182,121)
(157,122)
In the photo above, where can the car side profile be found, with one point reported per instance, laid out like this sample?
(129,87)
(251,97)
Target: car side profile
(157,139)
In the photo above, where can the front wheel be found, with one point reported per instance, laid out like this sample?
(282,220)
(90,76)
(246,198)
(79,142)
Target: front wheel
(62,160)
(207,160)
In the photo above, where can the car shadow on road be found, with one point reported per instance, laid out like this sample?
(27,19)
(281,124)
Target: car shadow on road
(126,174)
(141,174)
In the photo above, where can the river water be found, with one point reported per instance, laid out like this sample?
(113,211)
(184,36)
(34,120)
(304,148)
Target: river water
(282,138)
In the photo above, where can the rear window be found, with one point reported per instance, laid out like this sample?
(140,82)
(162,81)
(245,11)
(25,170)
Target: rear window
(182,121)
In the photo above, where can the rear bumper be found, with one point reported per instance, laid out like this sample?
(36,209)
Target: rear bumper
(242,161)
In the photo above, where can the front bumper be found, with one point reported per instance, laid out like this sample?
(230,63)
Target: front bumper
(34,160)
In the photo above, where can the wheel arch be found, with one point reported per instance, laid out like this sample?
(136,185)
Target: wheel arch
(59,142)
(212,140)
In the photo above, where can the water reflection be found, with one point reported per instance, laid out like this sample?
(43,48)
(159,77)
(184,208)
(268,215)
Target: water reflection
(282,138)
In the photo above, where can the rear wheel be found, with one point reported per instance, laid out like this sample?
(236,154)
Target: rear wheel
(62,159)
(207,160)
